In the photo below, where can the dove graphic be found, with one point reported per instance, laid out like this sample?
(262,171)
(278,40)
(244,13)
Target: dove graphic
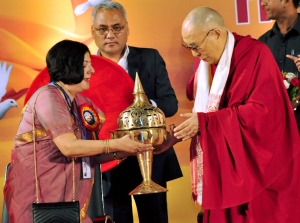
(80,9)
(4,77)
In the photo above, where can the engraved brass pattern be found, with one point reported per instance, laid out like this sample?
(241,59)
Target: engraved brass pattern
(145,123)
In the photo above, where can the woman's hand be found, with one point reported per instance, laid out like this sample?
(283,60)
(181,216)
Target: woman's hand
(128,145)
(188,128)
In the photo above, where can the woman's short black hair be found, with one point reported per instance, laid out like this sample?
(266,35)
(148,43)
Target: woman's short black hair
(65,61)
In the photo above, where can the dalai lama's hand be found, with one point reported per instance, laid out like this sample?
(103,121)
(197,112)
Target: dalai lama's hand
(188,128)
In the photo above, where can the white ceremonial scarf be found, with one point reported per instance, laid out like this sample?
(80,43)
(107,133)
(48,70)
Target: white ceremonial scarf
(207,99)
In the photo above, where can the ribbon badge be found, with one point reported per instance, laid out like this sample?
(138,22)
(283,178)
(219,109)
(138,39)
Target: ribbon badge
(89,117)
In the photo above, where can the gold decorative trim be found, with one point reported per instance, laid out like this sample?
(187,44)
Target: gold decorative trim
(27,137)
(102,118)
(83,211)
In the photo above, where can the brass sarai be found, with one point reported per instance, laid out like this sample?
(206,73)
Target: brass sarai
(145,123)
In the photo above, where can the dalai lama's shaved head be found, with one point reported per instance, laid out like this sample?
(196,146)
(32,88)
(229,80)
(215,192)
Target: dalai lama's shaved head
(204,27)
(204,17)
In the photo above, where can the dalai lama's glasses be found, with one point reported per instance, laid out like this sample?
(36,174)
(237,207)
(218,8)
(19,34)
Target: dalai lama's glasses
(193,47)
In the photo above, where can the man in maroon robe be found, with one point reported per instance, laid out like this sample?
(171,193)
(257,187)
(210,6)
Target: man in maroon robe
(245,143)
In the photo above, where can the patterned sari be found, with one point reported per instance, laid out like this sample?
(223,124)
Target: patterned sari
(52,118)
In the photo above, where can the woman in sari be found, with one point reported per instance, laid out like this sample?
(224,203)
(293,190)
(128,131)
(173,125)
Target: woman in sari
(60,124)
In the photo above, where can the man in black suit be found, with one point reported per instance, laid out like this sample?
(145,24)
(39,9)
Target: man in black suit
(110,31)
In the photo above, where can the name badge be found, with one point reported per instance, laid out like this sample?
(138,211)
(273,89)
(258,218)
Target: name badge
(86,168)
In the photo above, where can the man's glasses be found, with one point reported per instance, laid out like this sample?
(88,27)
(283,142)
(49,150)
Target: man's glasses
(105,30)
(193,47)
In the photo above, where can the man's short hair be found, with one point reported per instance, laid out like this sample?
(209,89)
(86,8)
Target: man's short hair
(108,5)
(296,3)
(65,61)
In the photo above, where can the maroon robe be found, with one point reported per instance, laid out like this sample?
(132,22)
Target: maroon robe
(251,144)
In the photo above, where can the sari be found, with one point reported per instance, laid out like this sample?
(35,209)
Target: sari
(54,170)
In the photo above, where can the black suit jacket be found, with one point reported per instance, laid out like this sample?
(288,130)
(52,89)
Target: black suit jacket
(154,78)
